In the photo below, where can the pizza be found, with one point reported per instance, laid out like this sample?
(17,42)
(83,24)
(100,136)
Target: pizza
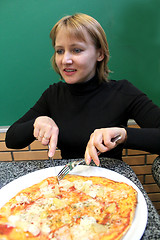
(76,208)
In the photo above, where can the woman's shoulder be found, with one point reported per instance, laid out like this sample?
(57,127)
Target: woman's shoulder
(55,87)
(124,86)
(123,83)
(54,91)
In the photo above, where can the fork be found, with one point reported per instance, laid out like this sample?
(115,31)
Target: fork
(68,167)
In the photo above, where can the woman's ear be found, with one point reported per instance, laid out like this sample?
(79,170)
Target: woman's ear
(100,55)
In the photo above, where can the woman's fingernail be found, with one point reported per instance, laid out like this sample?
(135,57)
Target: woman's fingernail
(87,161)
(97,163)
(50,154)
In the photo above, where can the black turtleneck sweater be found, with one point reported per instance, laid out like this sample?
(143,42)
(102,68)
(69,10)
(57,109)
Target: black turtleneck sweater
(79,109)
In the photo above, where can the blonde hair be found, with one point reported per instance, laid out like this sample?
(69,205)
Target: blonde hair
(75,25)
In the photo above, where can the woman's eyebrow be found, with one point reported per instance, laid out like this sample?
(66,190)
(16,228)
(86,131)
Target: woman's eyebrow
(71,45)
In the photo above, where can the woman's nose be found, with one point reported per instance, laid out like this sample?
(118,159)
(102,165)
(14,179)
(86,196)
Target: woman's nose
(67,58)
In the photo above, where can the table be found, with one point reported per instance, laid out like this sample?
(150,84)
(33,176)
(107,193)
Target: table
(12,170)
(156,170)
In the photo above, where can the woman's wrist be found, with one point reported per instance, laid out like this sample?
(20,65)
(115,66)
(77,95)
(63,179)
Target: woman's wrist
(124,135)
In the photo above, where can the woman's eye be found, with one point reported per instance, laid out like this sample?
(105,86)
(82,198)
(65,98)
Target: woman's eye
(59,51)
(77,50)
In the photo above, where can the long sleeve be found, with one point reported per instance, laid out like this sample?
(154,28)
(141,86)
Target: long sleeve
(20,134)
(145,139)
(147,116)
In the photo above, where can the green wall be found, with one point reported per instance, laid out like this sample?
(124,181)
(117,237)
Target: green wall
(133,32)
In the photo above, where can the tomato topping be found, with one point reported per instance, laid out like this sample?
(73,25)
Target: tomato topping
(106,219)
(5,229)
(72,188)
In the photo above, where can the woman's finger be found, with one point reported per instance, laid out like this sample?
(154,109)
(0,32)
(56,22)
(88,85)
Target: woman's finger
(45,140)
(53,141)
(87,157)
(36,132)
(91,153)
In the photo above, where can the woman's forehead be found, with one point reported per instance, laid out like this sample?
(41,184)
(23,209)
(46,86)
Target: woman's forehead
(74,33)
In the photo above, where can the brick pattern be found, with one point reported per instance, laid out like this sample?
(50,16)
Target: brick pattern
(140,162)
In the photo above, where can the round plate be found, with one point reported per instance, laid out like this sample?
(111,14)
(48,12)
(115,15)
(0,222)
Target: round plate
(138,226)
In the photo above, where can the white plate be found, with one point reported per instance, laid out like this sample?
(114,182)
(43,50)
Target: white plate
(140,220)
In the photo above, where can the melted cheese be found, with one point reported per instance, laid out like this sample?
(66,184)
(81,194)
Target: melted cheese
(22,199)
(65,184)
(87,229)
(89,202)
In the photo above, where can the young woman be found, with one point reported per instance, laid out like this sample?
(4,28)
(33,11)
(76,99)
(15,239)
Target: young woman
(83,114)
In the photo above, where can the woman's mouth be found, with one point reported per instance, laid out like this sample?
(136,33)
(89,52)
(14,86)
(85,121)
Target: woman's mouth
(69,71)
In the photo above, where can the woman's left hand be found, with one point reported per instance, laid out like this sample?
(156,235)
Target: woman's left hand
(101,140)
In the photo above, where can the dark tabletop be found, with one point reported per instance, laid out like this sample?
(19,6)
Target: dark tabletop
(12,170)
(156,170)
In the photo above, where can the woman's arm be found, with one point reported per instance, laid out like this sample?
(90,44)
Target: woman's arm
(147,116)
(20,134)
(145,139)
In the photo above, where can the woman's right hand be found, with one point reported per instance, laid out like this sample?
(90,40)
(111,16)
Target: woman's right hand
(103,140)
(46,131)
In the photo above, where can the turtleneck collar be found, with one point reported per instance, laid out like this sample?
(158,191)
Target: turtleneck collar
(84,87)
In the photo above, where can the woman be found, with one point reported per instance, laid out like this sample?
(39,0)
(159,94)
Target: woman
(83,115)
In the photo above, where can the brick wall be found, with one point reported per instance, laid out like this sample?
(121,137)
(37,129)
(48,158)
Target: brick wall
(140,161)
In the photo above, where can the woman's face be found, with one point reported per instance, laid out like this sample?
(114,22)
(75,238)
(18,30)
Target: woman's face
(76,59)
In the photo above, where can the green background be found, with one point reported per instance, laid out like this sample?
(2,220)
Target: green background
(133,32)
